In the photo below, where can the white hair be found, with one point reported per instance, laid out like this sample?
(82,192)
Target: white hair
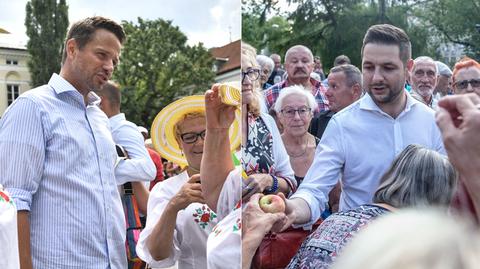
(443,69)
(295,89)
(427,60)
(265,60)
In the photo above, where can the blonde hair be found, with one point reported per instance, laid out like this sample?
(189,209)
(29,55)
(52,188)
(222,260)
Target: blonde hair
(249,54)
(187,116)
(420,239)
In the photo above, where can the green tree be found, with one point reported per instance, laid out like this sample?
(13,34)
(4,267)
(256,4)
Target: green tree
(452,21)
(46,22)
(331,28)
(157,67)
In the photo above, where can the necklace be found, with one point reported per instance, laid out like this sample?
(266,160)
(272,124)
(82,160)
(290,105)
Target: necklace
(298,155)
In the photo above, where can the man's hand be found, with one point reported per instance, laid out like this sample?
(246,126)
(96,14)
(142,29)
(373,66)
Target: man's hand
(289,219)
(458,118)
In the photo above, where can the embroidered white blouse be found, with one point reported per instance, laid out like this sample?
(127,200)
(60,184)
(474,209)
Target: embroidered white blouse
(224,243)
(194,223)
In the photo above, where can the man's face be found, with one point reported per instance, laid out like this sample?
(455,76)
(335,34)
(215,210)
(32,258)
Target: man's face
(424,78)
(443,84)
(383,72)
(339,94)
(299,65)
(464,75)
(277,61)
(317,64)
(94,64)
(264,74)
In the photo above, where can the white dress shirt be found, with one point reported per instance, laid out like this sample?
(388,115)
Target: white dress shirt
(139,166)
(359,145)
(189,246)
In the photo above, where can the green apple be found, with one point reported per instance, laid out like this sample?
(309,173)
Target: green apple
(272,204)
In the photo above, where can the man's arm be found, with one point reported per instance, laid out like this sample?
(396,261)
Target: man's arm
(23,224)
(322,175)
(22,143)
(139,166)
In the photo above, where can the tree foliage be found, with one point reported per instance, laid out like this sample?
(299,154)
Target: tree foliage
(453,22)
(46,22)
(157,67)
(334,27)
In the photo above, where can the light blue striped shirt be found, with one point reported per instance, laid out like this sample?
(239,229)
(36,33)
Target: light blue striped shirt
(57,162)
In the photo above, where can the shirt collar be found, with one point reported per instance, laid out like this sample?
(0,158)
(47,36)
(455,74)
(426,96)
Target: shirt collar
(61,85)
(117,118)
(367,103)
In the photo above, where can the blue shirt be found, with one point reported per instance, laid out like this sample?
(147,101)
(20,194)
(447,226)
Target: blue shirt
(57,162)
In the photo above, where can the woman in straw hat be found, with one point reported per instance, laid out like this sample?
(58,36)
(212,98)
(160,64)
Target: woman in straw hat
(264,157)
(178,221)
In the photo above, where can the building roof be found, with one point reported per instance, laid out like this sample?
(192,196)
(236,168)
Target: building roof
(227,58)
(11,41)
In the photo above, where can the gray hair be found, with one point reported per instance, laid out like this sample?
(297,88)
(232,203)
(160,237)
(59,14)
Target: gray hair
(295,89)
(265,60)
(341,59)
(352,74)
(443,69)
(417,177)
(298,47)
(427,60)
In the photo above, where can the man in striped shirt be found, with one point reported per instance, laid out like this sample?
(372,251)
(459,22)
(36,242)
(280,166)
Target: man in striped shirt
(299,66)
(59,159)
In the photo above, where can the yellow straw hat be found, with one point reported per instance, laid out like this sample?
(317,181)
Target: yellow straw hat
(163,134)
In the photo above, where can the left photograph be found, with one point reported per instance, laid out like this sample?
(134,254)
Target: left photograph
(120,134)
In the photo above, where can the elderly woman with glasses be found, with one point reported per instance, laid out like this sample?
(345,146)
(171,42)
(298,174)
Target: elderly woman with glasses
(294,108)
(178,221)
(266,69)
(264,158)
(466,76)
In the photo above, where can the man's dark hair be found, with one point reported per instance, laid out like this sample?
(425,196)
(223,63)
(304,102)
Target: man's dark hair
(83,31)
(389,35)
(111,91)
(341,59)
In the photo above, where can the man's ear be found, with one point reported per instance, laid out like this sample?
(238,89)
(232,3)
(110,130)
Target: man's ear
(71,46)
(409,65)
(357,91)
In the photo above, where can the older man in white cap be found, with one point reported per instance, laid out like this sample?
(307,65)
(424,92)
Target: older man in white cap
(444,81)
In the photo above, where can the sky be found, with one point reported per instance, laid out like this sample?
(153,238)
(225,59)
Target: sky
(213,22)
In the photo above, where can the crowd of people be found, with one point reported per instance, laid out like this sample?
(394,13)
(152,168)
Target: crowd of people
(375,155)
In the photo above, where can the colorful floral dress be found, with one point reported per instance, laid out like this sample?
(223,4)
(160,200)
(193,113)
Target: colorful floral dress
(264,152)
(321,247)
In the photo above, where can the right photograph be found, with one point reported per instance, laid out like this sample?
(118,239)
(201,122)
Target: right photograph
(360,144)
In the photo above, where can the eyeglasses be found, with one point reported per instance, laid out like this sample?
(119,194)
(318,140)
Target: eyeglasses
(462,85)
(289,112)
(252,74)
(191,138)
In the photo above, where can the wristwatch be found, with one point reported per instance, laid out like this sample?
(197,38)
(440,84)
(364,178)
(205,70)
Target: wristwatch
(274,187)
